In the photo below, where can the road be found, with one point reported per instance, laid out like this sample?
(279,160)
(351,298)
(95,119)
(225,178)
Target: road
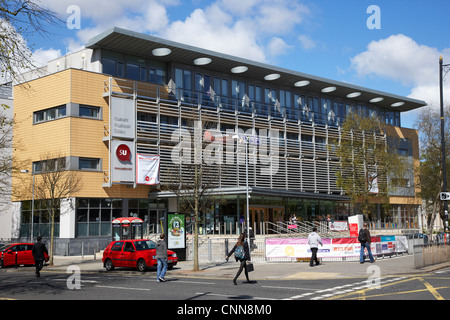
(126,285)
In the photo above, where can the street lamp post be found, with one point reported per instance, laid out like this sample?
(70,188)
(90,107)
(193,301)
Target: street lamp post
(444,169)
(32,206)
(246,185)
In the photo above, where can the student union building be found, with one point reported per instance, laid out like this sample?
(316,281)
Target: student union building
(128,98)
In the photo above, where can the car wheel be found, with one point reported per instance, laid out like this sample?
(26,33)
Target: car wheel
(109,265)
(141,265)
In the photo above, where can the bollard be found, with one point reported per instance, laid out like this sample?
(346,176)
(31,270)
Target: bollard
(226,247)
(209,250)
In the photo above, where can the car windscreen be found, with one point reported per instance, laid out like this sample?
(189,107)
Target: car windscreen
(144,245)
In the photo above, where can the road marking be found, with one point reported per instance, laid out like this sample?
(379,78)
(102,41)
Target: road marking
(388,282)
(82,281)
(431,289)
(343,290)
(289,288)
(395,293)
(181,281)
(124,288)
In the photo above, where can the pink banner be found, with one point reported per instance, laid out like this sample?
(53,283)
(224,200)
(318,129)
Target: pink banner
(332,248)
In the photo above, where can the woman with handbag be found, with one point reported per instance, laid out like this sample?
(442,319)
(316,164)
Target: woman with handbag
(242,254)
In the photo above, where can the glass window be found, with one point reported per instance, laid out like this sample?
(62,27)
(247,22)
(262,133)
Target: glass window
(120,69)
(94,215)
(90,112)
(109,66)
(88,164)
(82,215)
(117,246)
(143,73)
(132,71)
(198,82)
(61,112)
(187,80)
(39,116)
(160,77)
(50,114)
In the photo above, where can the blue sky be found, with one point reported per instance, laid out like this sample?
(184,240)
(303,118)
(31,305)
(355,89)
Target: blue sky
(327,38)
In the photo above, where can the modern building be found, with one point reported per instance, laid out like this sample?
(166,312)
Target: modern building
(128,97)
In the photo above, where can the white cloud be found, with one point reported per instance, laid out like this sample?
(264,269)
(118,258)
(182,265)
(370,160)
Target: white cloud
(402,59)
(306,42)
(278,46)
(235,27)
(42,56)
(214,29)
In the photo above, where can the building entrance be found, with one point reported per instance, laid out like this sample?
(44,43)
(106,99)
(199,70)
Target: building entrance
(259,215)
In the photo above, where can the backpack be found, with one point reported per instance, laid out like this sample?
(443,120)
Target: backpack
(362,237)
(239,252)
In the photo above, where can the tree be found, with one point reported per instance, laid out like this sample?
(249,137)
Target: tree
(19,20)
(6,136)
(366,162)
(191,178)
(430,172)
(54,182)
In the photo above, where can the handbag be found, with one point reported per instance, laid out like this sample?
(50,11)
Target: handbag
(250,267)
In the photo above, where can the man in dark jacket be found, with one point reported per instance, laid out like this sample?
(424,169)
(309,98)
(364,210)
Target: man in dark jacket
(364,239)
(39,250)
(161,257)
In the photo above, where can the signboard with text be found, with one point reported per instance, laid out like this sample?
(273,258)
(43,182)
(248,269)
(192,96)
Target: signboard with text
(333,248)
(176,231)
(122,161)
(123,119)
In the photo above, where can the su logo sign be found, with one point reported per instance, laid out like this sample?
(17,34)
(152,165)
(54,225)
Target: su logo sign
(123,153)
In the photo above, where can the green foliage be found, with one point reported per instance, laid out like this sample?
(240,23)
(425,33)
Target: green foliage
(367,162)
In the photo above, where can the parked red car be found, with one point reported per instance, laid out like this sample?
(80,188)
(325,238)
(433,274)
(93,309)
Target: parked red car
(139,254)
(22,251)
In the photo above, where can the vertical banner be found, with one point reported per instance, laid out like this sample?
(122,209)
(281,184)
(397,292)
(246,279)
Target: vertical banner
(147,169)
(122,128)
(176,231)
(122,161)
(123,118)
(355,223)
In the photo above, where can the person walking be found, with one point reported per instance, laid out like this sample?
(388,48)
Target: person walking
(364,239)
(38,251)
(313,241)
(242,254)
(161,257)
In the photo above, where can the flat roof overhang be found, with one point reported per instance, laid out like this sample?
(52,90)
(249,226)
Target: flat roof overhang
(126,41)
(255,191)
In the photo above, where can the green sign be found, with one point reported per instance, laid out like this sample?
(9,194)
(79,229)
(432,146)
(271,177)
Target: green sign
(176,231)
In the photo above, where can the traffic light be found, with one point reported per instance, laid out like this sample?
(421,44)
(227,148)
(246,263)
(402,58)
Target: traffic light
(445,195)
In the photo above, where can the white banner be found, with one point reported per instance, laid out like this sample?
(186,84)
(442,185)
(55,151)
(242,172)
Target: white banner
(338,226)
(147,169)
(332,248)
(123,121)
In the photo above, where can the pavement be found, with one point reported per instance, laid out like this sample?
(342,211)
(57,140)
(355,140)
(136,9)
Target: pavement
(393,266)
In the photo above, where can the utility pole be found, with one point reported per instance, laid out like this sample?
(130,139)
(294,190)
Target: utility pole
(444,163)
